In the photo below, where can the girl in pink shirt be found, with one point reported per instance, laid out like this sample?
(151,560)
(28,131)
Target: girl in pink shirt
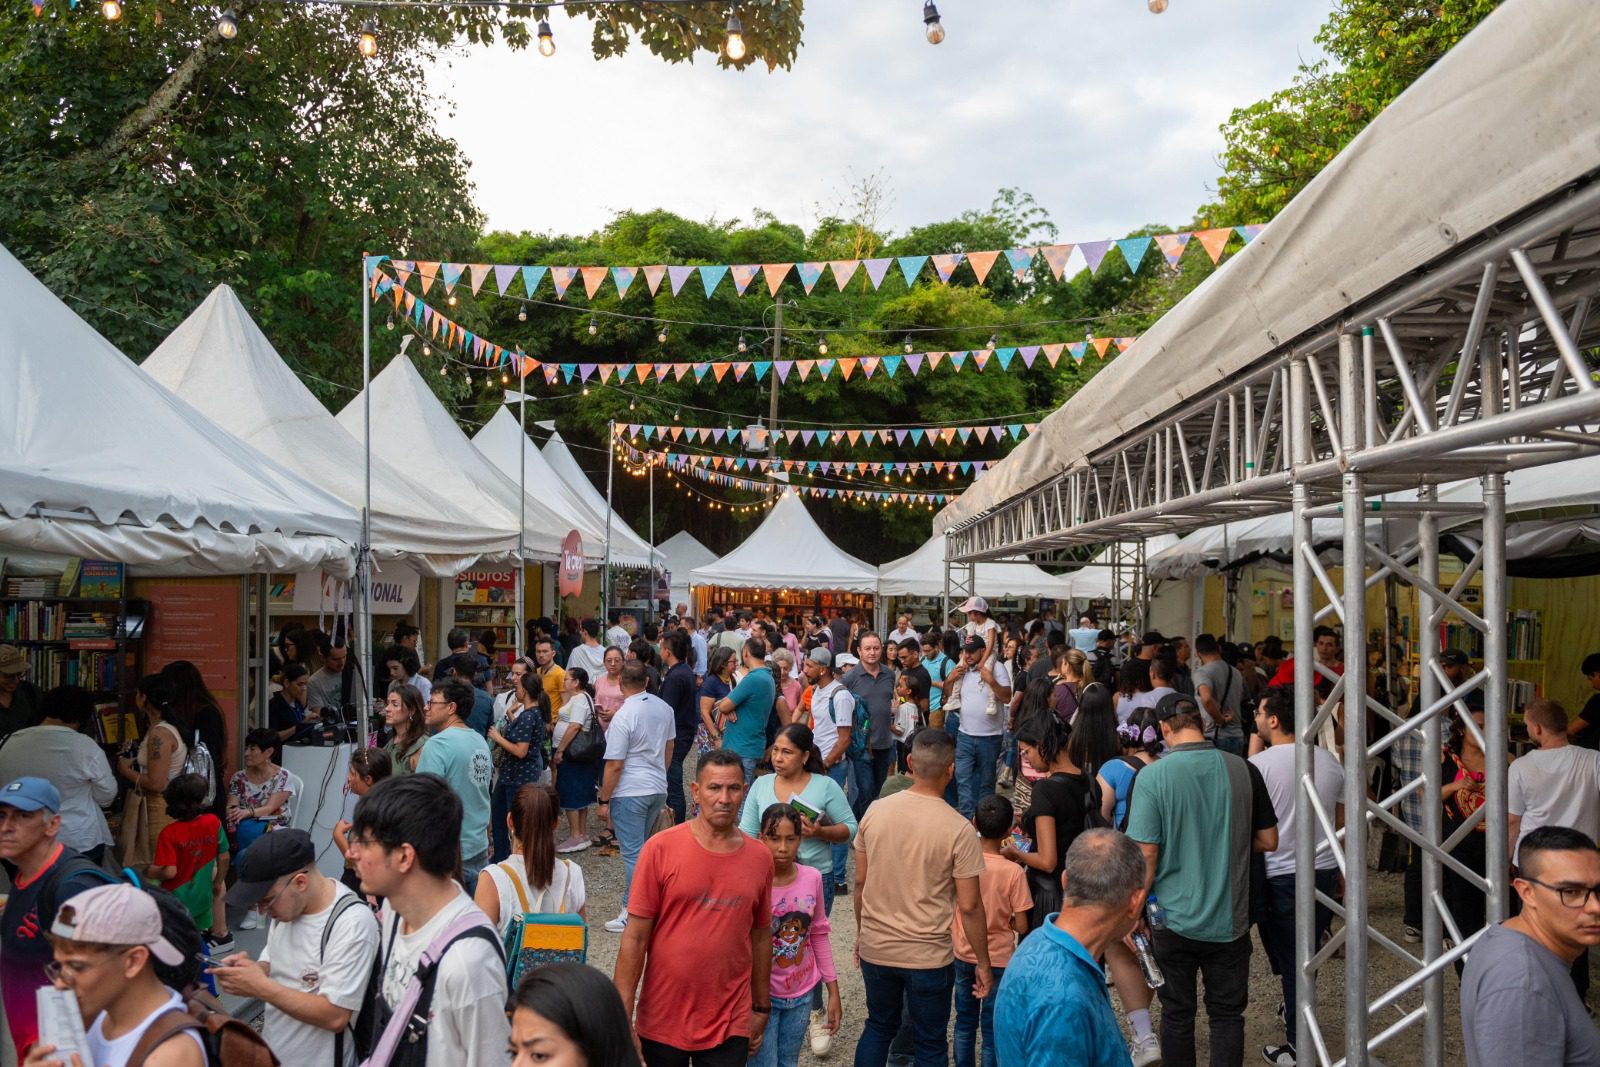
(801,953)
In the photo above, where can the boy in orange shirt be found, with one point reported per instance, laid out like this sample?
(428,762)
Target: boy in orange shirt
(1006,904)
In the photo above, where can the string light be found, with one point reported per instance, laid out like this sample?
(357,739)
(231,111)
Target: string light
(228,25)
(427,350)
(547,40)
(444,368)
(631,404)
(993,340)
(931,26)
(908,346)
(822,346)
(1157,6)
(391,322)
(735,42)
(112,10)
(522,312)
(505,379)
(586,390)
(742,346)
(661,335)
(594,325)
(367,42)
(451,300)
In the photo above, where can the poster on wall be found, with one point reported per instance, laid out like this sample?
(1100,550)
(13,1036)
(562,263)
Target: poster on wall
(197,619)
(394,591)
(486,586)
(570,580)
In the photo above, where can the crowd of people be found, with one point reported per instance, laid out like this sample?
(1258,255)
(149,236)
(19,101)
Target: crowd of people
(1018,816)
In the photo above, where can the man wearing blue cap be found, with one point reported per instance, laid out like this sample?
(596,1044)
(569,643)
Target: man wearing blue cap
(44,872)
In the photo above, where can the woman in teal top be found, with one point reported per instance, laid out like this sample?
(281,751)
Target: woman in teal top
(745,711)
(798,778)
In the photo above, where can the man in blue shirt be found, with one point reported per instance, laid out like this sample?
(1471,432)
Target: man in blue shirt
(1052,1005)
(459,755)
(679,691)
(746,710)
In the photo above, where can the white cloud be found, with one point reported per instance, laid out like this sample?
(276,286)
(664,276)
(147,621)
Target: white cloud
(1107,114)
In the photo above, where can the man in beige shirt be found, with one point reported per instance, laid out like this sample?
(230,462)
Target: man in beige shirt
(917,865)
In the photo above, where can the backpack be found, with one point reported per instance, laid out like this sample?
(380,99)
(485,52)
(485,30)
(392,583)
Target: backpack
(1127,804)
(860,725)
(341,904)
(199,761)
(1101,667)
(228,1041)
(403,1040)
(1092,797)
(535,938)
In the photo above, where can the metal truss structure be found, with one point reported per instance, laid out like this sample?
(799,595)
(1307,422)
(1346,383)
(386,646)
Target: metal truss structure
(1479,364)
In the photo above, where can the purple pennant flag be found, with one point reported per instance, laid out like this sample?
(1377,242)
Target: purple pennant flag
(900,436)
(876,270)
(677,275)
(744,274)
(914,361)
(503,273)
(1029,353)
(784,366)
(1093,253)
(623,277)
(587,369)
(809,436)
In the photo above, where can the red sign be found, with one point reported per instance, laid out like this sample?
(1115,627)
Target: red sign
(570,577)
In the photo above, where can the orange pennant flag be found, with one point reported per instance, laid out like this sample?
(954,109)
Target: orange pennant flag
(1100,346)
(847,367)
(479,272)
(981,262)
(775,273)
(720,370)
(1125,343)
(592,277)
(679,370)
(677,432)
(804,367)
(933,360)
(427,272)
(854,435)
(1213,241)
(843,270)
(653,276)
(1052,352)
(605,372)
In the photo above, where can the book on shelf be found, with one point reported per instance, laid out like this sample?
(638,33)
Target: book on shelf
(23,586)
(69,578)
(101,580)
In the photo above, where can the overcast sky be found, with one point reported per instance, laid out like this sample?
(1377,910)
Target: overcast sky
(1106,113)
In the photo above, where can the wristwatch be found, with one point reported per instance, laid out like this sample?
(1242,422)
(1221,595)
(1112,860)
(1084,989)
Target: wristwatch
(759,1010)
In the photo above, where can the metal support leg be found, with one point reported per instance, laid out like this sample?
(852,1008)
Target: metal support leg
(1355,763)
(1495,614)
(1432,811)
(1305,743)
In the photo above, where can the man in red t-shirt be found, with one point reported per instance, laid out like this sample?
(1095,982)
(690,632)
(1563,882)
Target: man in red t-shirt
(699,933)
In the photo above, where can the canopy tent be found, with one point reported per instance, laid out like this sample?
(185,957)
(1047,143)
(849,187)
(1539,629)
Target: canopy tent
(923,574)
(219,361)
(788,550)
(98,461)
(409,422)
(680,554)
(498,442)
(1093,582)
(625,544)
(1455,154)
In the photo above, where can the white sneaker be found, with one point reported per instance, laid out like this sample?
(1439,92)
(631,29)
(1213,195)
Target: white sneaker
(617,925)
(817,1033)
(1145,1051)
(251,921)
(574,844)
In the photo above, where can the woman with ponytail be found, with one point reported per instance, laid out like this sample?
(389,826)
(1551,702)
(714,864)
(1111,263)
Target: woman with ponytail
(532,872)
(798,778)
(1064,802)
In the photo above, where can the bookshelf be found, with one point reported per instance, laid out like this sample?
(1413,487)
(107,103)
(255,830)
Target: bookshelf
(71,626)
(1525,665)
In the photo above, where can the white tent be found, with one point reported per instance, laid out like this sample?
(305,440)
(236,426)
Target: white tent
(1093,582)
(98,461)
(922,574)
(1456,153)
(498,441)
(680,554)
(219,361)
(788,550)
(411,425)
(625,544)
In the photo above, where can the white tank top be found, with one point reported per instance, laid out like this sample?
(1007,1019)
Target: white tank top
(117,1050)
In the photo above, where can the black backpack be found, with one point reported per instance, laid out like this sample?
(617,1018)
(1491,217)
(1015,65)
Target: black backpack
(413,1048)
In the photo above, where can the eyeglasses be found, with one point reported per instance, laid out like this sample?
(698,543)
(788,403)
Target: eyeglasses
(71,970)
(1572,896)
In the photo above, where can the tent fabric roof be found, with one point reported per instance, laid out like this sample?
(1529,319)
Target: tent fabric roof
(922,574)
(789,550)
(410,425)
(1456,153)
(682,553)
(624,542)
(219,360)
(123,470)
(498,441)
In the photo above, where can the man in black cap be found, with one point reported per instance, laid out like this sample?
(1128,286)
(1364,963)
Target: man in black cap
(320,946)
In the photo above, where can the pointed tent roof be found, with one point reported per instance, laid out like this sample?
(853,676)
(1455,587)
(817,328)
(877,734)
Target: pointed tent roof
(789,550)
(922,574)
(123,470)
(498,441)
(409,422)
(565,464)
(680,554)
(219,360)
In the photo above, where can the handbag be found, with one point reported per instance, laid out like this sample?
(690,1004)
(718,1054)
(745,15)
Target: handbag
(588,746)
(537,938)
(134,848)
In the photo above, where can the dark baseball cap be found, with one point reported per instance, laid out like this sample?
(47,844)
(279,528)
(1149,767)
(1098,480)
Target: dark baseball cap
(1176,704)
(973,644)
(1152,637)
(1453,657)
(269,858)
(1105,635)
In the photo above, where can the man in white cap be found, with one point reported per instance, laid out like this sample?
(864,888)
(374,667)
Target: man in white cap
(19,698)
(106,940)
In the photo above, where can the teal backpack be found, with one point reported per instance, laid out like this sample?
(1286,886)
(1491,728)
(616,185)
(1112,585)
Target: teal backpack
(536,938)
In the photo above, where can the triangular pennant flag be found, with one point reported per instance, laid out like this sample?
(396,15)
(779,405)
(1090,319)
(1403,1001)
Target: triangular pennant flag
(587,369)
(605,372)
(623,277)
(1133,250)
(721,370)
(900,436)
(503,273)
(1029,353)
(405,268)
(653,276)
(740,369)
(700,371)
(876,269)
(934,358)
(677,433)
(679,370)
(561,277)
(1093,253)
(775,273)
(979,357)
(810,436)
(1124,343)
(1100,345)
(1249,233)
(804,367)
(662,370)
(825,368)
(1056,256)
(452,274)
(847,367)
(981,262)
(1004,355)
(945,265)
(1077,350)
(982,433)
(868,365)
(965,433)
(479,271)
(1214,241)
(914,363)
(809,273)
(784,366)
(958,360)
(843,270)
(531,277)
(911,266)
(569,371)
(427,272)
(551,372)
(1020,259)
(592,278)
(743,275)
(854,435)
(1172,246)
(891,364)
(1014,429)
(1052,352)
(711,276)
(916,436)
(677,275)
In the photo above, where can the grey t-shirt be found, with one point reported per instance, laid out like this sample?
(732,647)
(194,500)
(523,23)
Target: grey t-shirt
(1518,1005)
(1227,688)
(878,692)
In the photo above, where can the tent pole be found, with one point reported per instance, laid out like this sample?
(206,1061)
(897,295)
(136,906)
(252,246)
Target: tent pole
(363,603)
(605,572)
(522,516)
(652,466)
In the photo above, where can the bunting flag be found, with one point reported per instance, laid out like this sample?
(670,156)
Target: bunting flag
(775,273)
(562,277)
(852,435)
(653,276)
(623,277)
(915,498)
(946,265)
(744,274)
(980,262)
(911,267)
(592,277)
(1214,241)
(677,275)
(809,274)
(948,468)
(711,277)
(1172,246)
(1056,256)
(845,269)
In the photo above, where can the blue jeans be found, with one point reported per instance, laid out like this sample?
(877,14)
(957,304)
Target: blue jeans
(861,773)
(925,995)
(968,1013)
(786,1032)
(975,770)
(676,800)
(749,766)
(471,867)
(952,726)
(500,799)
(632,818)
(840,773)
(1277,933)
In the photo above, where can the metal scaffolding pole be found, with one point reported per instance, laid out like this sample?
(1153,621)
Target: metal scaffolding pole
(1432,808)
(362,599)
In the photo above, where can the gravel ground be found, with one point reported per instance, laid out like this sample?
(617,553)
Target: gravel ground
(603,877)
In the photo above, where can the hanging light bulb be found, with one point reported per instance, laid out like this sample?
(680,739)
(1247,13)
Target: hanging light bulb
(391,322)
(522,313)
(451,300)
(594,327)
(505,379)
(367,42)
(931,26)
(631,405)
(676,414)
(112,10)
(734,46)
(547,40)
(228,25)
(742,346)
(444,370)
(586,390)
(661,335)
(427,349)
(822,346)
(907,345)
(993,339)
(1157,6)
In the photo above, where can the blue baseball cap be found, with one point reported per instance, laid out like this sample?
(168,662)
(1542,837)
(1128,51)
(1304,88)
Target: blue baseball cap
(30,794)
